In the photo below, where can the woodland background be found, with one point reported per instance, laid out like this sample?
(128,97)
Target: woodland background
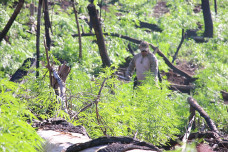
(155,113)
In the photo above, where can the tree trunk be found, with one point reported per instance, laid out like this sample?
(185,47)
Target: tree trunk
(79,33)
(99,34)
(11,20)
(38,38)
(215,5)
(208,32)
(47,25)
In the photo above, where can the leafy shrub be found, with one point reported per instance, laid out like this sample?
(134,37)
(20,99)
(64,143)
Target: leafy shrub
(15,133)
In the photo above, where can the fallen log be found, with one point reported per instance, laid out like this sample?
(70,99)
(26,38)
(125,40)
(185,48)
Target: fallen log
(109,140)
(152,27)
(224,95)
(175,69)
(208,135)
(198,108)
(23,70)
(182,88)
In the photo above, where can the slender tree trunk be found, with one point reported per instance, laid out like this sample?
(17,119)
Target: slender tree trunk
(99,34)
(38,38)
(215,5)
(79,33)
(47,25)
(208,32)
(179,46)
(11,20)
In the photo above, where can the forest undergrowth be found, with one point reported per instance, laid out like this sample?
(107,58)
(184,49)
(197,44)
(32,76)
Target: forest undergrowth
(152,111)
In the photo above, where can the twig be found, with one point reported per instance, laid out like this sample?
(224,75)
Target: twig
(89,105)
(185,138)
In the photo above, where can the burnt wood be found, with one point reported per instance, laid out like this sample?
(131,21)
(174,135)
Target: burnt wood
(12,19)
(182,88)
(109,140)
(38,38)
(152,27)
(47,24)
(198,108)
(208,32)
(99,34)
(23,70)
(179,46)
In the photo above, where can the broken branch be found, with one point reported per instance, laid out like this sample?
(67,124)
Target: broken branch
(197,107)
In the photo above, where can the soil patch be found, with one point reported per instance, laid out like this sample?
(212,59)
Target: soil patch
(160,9)
(176,78)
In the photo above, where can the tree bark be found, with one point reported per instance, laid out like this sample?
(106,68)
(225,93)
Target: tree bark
(99,34)
(197,107)
(11,20)
(79,33)
(47,25)
(215,5)
(38,38)
(208,32)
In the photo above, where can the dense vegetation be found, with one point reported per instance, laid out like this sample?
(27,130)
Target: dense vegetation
(155,114)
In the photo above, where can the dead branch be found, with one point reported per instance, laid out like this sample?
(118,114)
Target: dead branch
(79,33)
(197,107)
(60,77)
(175,69)
(95,101)
(179,46)
(130,49)
(186,135)
(11,20)
(97,113)
(182,88)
